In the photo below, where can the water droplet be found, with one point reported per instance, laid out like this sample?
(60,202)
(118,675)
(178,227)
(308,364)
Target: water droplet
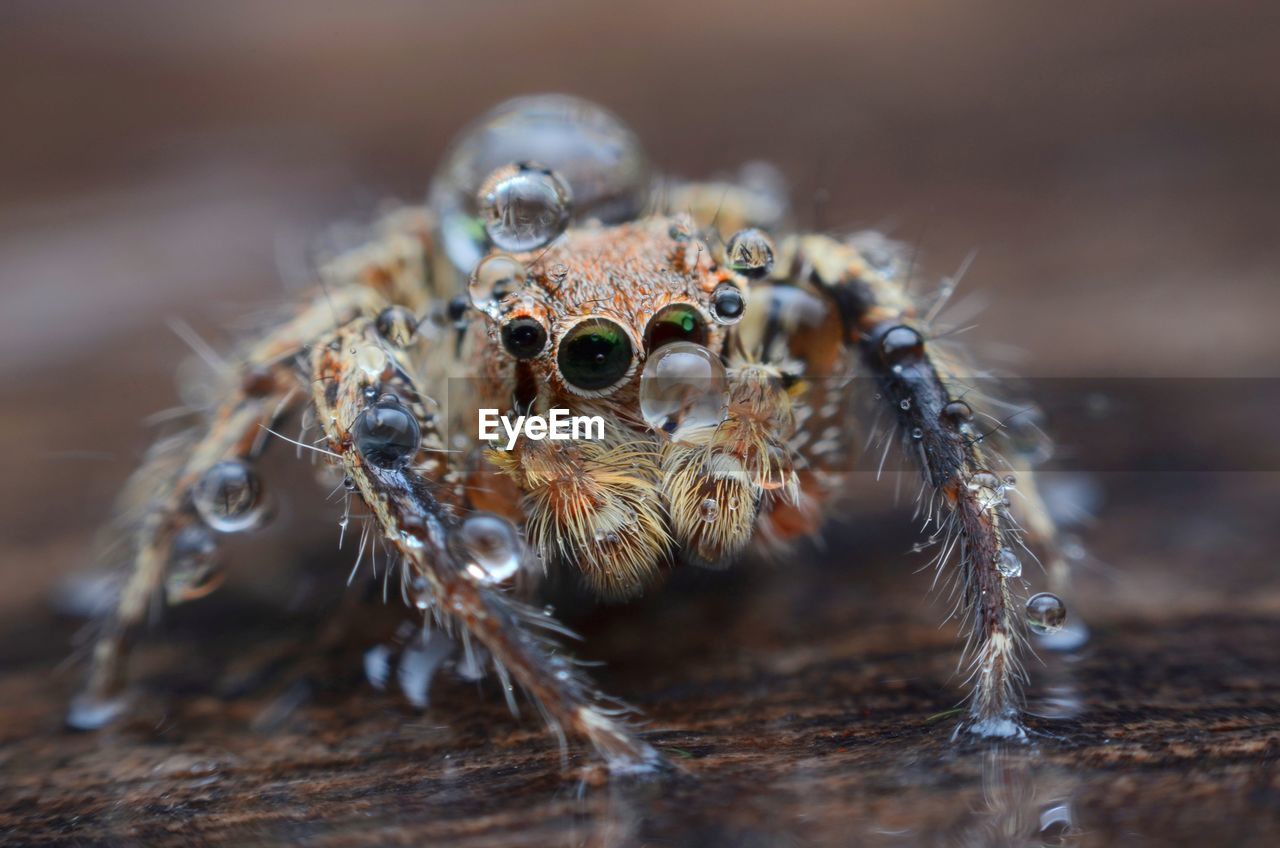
(228,497)
(491,546)
(495,277)
(917,433)
(709,509)
(193,568)
(387,435)
(1010,481)
(372,360)
(1008,564)
(750,253)
(420,593)
(524,206)
(595,154)
(901,345)
(957,411)
(397,324)
(1046,613)
(727,304)
(904,404)
(683,385)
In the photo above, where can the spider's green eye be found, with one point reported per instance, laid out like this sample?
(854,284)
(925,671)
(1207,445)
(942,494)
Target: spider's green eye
(595,355)
(676,323)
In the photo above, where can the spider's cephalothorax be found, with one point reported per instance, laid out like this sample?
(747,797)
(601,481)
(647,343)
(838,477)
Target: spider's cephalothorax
(550,272)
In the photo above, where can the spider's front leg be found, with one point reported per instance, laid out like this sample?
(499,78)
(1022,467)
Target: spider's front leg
(195,484)
(378,421)
(922,390)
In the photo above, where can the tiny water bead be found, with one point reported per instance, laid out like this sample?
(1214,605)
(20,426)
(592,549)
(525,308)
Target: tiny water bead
(901,344)
(494,278)
(957,411)
(683,385)
(593,152)
(228,496)
(727,304)
(709,509)
(524,206)
(1008,564)
(491,547)
(398,325)
(1046,613)
(750,253)
(524,338)
(386,434)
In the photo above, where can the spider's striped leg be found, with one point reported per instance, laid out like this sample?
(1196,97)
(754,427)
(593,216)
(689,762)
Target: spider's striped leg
(173,547)
(417,496)
(920,388)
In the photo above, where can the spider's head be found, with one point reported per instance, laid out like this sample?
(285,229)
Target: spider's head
(581,316)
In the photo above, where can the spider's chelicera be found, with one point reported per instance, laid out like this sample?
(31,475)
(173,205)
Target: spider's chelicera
(550,273)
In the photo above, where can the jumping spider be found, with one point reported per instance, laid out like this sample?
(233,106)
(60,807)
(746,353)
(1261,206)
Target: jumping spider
(719,368)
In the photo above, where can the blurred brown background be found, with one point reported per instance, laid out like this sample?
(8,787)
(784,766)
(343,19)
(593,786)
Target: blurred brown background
(1114,165)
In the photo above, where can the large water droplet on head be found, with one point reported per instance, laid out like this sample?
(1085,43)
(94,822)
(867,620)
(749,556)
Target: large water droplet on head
(491,547)
(229,496)
(683,386)
(593,152)
(523,206)
(1046,613)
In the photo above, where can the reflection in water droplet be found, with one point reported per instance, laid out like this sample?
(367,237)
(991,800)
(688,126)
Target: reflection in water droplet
(1046,613)
(491,546)
(494,278)
(750,253)
(709,509)
(595,154)
(523,206)
(683,385)
(228,496)
(1008,564)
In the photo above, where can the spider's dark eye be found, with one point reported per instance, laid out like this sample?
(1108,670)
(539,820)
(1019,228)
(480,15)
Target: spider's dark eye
(524,338)
(387,435)
(594,355)
(676,323)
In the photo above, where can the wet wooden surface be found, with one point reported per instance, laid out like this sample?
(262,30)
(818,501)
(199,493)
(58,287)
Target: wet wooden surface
(1114,170)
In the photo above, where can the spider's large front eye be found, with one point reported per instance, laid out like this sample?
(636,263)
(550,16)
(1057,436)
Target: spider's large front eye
(524,338)
(676,323)
(595,355)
